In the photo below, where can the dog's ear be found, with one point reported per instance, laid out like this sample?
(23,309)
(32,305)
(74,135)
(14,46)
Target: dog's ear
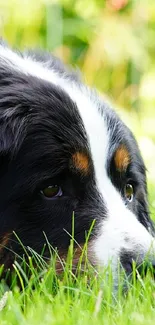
(10,131)
(7,122)
(6,105)
(6,142)
(12,110)
(5,138)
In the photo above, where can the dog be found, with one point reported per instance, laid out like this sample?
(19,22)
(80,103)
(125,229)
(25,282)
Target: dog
(64,150)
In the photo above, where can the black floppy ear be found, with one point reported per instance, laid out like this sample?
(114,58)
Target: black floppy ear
(7,103)
(6,138)
(8,125)
(6,146)
(11,128)
(11,112)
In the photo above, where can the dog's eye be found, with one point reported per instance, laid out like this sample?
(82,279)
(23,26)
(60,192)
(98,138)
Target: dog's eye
(128,191)
(52,191)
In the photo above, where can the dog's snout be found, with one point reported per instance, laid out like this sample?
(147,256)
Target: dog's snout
(140,264)
(126,260)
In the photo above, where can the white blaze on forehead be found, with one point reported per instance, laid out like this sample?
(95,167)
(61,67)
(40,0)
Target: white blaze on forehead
(120,229)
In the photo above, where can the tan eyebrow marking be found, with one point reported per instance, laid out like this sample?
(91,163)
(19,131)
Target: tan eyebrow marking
(122,158)
(81,161)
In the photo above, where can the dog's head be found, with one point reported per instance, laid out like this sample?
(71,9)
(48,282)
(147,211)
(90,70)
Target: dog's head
(63,150)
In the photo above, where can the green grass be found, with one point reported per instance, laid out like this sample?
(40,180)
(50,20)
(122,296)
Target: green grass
(76,302)
(82,297)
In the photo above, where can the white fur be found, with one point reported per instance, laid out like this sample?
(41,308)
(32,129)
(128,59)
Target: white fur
(120,223)
(29,66)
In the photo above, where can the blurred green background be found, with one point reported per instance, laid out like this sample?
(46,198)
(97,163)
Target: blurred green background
(111,41)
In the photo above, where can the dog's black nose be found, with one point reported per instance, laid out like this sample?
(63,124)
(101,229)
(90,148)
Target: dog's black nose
(142,266)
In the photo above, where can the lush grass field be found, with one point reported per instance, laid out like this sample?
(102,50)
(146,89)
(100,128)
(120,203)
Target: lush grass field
(47,299)
(76,302)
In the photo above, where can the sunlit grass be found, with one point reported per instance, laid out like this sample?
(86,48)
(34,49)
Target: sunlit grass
(40,294)
(82,297)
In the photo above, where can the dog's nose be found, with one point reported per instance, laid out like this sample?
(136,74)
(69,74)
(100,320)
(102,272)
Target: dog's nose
(142,266)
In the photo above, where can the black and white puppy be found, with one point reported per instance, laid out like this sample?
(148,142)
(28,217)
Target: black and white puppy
(64,150)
